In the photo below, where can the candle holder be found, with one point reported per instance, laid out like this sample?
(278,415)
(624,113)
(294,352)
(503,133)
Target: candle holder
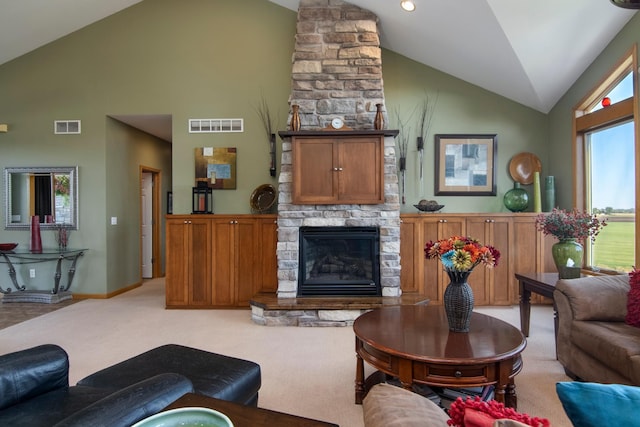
(202,199)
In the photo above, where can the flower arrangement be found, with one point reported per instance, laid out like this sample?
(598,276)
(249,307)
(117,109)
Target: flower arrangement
(570,225)
(462,254)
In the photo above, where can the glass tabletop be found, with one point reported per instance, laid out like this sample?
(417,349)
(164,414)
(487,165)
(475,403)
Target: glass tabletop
(45,251)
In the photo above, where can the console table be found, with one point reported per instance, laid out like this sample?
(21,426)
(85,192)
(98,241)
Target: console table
(24,256)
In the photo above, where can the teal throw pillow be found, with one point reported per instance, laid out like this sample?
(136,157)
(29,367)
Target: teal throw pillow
(598,405)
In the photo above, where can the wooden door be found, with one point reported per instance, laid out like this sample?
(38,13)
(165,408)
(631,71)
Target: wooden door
(410,243)
(268,278)
(247,260)
(199,262)
(314,177)
(492,286)
(222,260)
(177,262)
(436,227)
(360,166)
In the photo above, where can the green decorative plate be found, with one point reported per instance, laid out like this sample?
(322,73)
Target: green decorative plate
(186,417)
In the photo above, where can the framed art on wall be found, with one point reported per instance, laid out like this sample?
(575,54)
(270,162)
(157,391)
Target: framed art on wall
(465,165)
(216,166)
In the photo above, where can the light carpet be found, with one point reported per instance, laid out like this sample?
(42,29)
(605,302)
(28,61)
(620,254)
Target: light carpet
(308,372)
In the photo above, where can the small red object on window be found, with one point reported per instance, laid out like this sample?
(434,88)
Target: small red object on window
(606,101)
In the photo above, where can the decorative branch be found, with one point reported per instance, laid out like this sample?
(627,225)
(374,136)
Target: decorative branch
(403,140)
(265,116)
(403,144)
(263,112)
(427,109)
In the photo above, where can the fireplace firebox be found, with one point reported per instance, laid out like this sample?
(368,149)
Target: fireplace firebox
(339,261)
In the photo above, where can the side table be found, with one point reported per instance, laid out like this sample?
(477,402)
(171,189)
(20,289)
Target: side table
(540,283)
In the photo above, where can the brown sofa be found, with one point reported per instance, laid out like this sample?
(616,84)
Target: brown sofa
(594,343)
(389,406)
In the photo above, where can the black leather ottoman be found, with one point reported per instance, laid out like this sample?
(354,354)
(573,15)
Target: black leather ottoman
(215,375)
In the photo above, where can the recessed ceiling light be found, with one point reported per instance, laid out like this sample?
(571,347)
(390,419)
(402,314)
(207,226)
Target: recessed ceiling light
(408,5)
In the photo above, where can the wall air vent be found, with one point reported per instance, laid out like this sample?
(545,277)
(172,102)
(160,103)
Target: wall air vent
(65,127)
(215,125)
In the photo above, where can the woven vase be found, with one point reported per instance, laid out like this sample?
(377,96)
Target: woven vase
(458,301)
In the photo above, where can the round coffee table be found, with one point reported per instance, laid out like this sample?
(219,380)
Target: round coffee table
(413,343)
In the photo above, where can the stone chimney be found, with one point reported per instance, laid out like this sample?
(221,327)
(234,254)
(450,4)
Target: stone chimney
(337,65)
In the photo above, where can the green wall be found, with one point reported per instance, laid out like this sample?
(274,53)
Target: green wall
(461,108)
(560,120)
(129,150)
(203,59)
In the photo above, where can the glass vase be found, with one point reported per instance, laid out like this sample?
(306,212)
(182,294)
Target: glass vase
(567,256)
(458,301)
(36,240)
(516,199)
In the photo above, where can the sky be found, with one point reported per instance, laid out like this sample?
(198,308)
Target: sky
(613,160)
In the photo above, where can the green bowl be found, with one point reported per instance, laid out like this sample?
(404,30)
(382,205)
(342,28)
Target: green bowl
(186,417)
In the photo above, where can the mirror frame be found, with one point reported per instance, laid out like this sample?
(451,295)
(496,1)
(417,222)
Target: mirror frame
(73,187)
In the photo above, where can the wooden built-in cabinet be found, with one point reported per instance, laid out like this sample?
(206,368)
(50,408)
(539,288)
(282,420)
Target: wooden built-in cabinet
(522,248)
(219,260)
(340,167)
(188,264)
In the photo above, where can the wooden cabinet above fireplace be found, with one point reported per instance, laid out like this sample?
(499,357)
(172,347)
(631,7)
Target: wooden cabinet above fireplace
(337,167)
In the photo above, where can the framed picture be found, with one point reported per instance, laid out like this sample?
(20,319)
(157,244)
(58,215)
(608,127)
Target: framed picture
(216,166)
(465,165)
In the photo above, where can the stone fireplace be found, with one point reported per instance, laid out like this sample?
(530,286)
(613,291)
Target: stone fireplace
(337,72)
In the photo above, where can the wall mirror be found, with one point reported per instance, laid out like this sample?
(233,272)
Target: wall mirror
(49,192)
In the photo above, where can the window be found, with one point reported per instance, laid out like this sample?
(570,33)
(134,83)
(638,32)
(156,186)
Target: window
(607,166)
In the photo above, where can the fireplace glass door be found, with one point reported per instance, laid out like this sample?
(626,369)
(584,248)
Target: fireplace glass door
(339,261)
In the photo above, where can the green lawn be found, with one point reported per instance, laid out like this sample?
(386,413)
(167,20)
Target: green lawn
(614,246)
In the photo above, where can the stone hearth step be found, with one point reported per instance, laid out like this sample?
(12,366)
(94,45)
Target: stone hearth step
(269,310)
(270,301)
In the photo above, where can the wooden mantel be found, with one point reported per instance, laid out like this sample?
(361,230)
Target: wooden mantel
(319,132)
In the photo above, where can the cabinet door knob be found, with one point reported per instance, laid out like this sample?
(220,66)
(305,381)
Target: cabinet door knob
(339,169)
(442,220)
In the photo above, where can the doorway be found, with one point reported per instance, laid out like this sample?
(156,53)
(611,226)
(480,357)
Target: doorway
(149,222)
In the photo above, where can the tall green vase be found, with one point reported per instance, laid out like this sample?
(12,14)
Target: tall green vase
(563,251)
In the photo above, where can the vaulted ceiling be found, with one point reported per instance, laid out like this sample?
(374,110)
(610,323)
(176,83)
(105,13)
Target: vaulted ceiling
(528,51)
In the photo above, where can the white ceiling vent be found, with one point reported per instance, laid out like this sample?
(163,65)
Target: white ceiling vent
(65,127)
(215,125)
